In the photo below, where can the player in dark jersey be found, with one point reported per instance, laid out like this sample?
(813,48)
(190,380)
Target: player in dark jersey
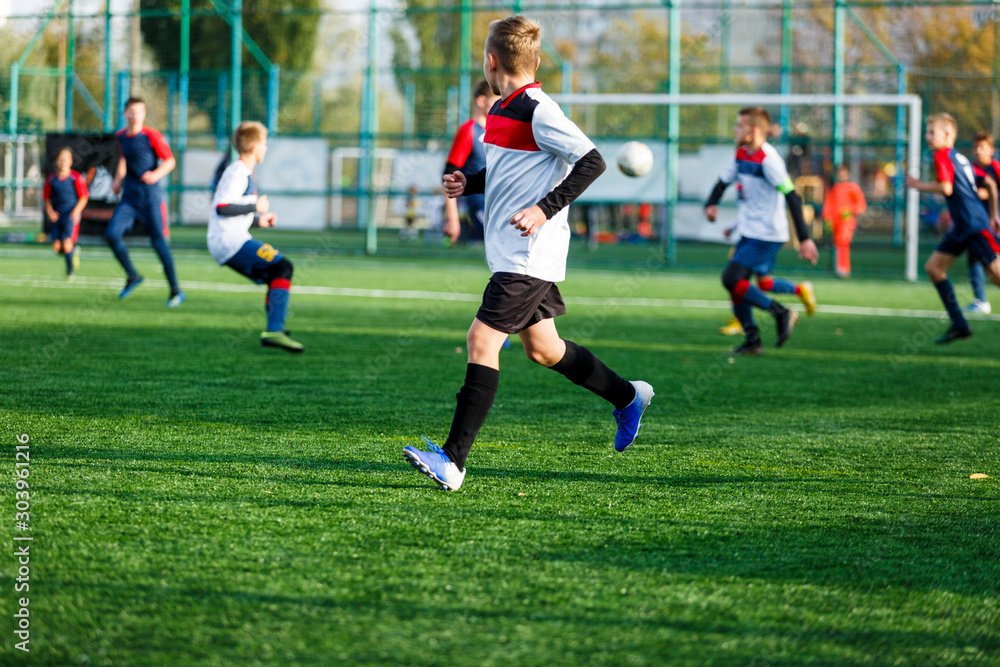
(970,222)
(467,155)
(65,194)
(138,178)
(987,171)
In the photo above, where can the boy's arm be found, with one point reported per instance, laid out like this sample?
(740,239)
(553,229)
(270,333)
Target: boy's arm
(945,171)
(82,195)
(712,203)
(807,247)
(585,171)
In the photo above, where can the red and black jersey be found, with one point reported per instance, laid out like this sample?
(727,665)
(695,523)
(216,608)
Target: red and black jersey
(967,212)
(64,193)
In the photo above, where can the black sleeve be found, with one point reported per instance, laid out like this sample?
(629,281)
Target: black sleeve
(235,209)
(713,199)
(475,184)
(794,202)
(585,171)
(450,168)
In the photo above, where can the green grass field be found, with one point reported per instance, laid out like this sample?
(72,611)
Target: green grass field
(198,500)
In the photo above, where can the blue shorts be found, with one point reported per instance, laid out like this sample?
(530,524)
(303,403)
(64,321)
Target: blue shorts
(151,212)
(64,228)
(982,245)
(758,256)
(255,260)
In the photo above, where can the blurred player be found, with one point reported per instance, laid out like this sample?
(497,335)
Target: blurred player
(138,179)
(987,171)
(764,189)
(843,203)
(956,180)
(537,163)
(235,207)
(65,194)
(468,155)
(766,283)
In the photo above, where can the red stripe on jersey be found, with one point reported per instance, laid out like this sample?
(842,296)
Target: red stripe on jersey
(944,166)
(996,167)
(281,283)
(992,240)
(510,133)
(76,233)
(758,155)
(47,189)
(461,147)
(158,143)
(504,103)
(81,185)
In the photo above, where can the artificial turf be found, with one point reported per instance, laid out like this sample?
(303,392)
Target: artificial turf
(199,500)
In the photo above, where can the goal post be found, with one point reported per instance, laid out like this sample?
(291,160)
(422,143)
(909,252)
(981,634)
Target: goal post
(912,103)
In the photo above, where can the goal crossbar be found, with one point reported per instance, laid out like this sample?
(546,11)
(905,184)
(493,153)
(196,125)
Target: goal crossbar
(913,104)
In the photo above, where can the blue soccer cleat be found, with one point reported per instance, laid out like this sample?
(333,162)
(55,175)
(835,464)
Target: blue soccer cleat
(628,418)
(176,300)
(436,465)
(130,285)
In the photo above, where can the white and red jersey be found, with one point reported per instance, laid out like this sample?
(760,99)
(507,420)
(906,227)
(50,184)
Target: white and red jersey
(227,232)
(762,181)
(531,146)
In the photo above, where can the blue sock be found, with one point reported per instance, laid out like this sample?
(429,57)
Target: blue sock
(69,261)
(744,313)
(782,286)
(947,293)
(121,253)
(277,305)
(977,278)
(757,298)
(163,250)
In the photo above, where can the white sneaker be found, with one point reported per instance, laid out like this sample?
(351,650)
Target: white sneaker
(436,465)
(981,307)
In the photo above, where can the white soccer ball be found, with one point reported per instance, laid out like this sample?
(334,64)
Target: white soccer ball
(635,159)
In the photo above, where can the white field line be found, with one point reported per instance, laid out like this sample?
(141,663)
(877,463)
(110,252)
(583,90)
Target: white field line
(612,302)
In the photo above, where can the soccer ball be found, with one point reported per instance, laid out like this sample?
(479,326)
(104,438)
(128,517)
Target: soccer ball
(635,159)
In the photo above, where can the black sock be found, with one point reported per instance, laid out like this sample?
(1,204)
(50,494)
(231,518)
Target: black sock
(581,367)
(777,309)
(475,399)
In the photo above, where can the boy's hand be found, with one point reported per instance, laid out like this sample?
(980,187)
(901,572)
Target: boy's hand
(912,182)
(149,178)
(263,205)
(116,185)
(711,213)
(808,251)
(268,220)
(452,228)
(454,184)
(528,220)
(728,231)
(995,224)
(53,216)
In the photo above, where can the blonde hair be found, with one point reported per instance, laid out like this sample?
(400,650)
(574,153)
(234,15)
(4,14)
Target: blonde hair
(945,118)
(758,117)
(248,134)
(516,41)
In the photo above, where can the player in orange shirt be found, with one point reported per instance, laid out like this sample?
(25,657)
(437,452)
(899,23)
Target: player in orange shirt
(843,204)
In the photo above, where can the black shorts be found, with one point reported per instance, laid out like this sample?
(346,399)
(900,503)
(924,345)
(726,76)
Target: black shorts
(513,302)
(982,246)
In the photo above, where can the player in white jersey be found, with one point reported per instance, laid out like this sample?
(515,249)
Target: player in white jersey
(537,163)
(235,207)
(764,188)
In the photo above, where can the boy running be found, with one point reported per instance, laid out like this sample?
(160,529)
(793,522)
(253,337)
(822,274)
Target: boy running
(987,171)
(138,178)
(764,189)
(235,207)
(970,229)
(537,163)
(65,195)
